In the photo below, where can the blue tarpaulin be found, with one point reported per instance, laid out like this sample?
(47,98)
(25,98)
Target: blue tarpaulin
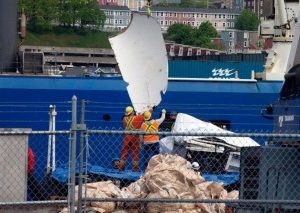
(226,178)
(61,175)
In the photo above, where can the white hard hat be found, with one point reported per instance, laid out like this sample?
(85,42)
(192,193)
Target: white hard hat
(195,165)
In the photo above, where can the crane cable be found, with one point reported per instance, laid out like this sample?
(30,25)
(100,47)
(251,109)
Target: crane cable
(148,10)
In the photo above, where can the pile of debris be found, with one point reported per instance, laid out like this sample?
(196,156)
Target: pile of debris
(167,176)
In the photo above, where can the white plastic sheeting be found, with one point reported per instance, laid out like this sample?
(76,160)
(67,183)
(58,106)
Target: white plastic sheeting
(141,54)
(189,124)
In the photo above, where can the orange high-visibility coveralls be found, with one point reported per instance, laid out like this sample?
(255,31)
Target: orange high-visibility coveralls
(132,123)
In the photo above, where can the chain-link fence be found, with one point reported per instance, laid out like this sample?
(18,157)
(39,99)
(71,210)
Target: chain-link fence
(194,166)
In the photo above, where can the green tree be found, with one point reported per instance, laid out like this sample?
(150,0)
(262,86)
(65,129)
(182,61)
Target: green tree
(44,14)
(185,34)
(206,29)
(83,13)
(40,13)
(247,20)
(180,33)
(193,3)
(91,15)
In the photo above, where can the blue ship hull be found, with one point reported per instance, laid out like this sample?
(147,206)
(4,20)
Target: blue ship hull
(26,99)
(24,103)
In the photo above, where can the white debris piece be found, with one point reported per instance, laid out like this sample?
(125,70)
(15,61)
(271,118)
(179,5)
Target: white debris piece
(186,123)
(142,58)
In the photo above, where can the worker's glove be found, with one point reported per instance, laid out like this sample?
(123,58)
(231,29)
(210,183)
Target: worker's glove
(163,111)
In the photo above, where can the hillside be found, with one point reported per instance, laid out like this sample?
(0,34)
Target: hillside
(68,38)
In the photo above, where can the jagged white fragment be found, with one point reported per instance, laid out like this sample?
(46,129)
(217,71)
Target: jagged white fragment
(141,54)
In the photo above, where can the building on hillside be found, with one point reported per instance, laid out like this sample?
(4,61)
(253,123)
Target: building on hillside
(221,19)
(238,4)
(117,17)
(228,4)
(154,2)
(134,5)
(180,50)
(257,6)
(218,43)
(238,41)
(107,2)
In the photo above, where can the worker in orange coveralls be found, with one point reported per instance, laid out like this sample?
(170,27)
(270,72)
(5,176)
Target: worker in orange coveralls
(34,189)
(131,122)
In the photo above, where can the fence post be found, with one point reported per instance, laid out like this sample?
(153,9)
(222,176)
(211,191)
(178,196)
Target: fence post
(82,113)
(73,155)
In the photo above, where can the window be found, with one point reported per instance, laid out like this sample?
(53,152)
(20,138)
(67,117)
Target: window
(228,24)
(193,15)
(189,23)
(120,21)
(161,14)
(161,22)
(215,15)
(175,14)
(201,15)
(220,16)
(166,22)
(232,24)
(121,13)
(157,14)
(215,24)
(167,14)
(180,53)
(224,16)
(171,50)
(205,15)
(193,23)
(245,35)
(190,51)
(116,21)
(171,14)
(230,34)
(224,24)
(245,44)
(230,43)
(184,22)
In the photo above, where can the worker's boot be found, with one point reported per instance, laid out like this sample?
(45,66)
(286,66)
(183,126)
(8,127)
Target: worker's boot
(135,166)
(121,165)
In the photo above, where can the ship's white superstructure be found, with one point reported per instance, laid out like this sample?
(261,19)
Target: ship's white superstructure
(281,27)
